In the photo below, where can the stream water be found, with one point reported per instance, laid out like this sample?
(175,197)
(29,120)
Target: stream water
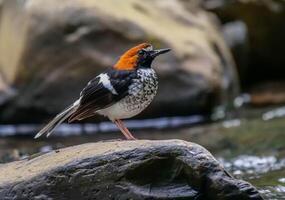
(251,148)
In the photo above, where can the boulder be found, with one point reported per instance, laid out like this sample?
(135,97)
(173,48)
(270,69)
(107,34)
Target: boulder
(50,50)
(169,169)
(260,56)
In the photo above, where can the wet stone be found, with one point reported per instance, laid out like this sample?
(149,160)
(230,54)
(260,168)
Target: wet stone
(164,169)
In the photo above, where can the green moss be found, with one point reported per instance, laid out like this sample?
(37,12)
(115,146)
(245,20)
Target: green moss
(269,179)
(254,137)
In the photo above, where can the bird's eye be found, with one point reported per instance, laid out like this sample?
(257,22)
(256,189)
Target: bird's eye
(141,52)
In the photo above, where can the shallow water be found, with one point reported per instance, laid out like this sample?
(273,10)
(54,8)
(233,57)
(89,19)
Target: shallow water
(266,173)
(250,148)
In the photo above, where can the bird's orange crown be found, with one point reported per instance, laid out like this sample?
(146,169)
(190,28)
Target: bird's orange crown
(128,61)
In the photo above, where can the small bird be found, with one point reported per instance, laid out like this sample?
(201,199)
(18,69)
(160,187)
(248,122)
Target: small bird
(120,92)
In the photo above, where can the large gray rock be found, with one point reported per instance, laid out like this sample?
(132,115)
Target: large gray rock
(50,50)
(169,169)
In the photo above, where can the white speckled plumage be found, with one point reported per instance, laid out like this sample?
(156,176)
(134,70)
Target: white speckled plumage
(141,93)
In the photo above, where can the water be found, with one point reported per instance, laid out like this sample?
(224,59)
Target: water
(103,127)
(266,173)
(250,148)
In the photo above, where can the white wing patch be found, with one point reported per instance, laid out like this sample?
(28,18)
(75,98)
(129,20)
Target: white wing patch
(149,48)
(77,102)
(105,80)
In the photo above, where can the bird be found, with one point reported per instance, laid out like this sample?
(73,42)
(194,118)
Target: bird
(120,92)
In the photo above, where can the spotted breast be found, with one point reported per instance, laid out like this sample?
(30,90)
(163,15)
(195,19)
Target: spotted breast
(140,94)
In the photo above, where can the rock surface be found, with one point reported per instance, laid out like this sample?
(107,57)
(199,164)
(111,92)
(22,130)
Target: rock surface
(50,50)
(260,57)
(169,169)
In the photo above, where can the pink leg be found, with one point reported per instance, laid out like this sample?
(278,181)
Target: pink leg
(124,130)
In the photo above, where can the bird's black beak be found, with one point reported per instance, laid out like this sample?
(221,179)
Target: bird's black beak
(157,52)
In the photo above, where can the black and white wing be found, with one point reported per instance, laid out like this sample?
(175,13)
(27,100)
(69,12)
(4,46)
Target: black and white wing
(103,91)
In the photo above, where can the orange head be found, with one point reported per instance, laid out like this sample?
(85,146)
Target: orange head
(141,55)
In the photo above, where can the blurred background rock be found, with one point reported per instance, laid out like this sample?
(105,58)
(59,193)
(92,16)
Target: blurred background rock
(227,65)
(254,30)
(50,49)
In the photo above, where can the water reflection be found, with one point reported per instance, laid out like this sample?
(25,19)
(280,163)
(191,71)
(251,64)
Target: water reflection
(104,127)
(250,164)
(275,113)
(262,171)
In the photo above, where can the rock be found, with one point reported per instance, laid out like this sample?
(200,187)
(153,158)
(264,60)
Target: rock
(52,48)
(6,92)
(236,36)
(1,4)
(169,169)
(261,57)
(269,93)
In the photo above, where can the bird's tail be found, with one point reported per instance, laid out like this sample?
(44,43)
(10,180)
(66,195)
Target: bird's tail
(48,129)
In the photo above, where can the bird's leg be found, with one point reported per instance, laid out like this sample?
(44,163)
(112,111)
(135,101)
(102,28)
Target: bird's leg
(127,130)
(124,129)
